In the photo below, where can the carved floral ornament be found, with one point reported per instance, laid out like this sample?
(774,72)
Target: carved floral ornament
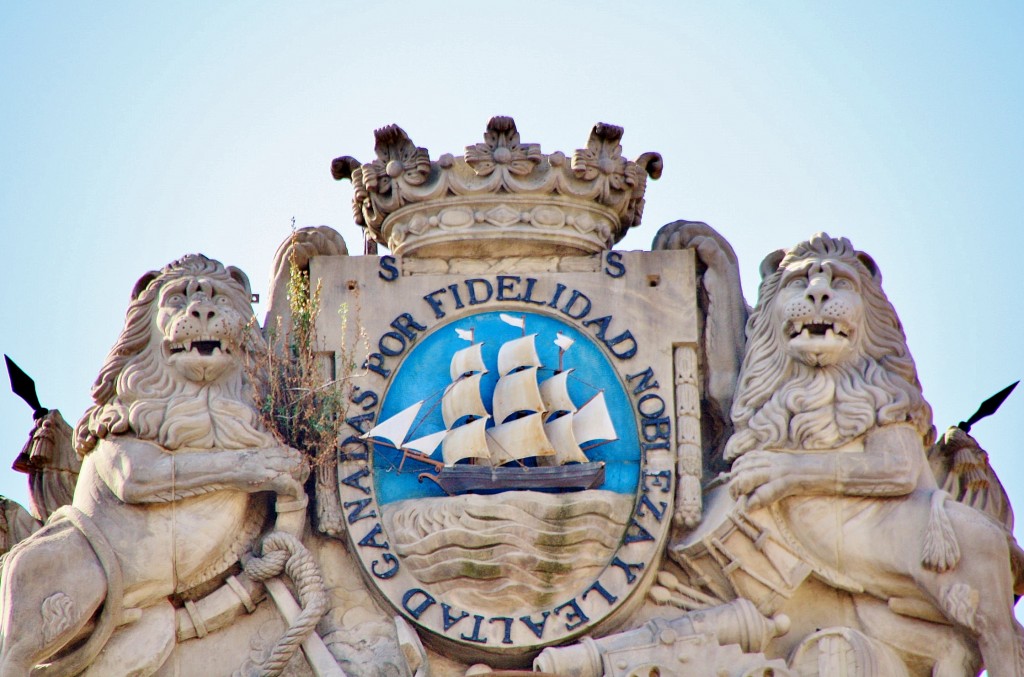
(502,151)
(501,188)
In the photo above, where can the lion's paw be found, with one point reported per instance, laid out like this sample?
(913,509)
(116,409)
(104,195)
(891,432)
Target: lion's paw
(712,249)
(305,243)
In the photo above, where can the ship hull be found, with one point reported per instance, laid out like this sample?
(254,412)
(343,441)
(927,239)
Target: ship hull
(482,479)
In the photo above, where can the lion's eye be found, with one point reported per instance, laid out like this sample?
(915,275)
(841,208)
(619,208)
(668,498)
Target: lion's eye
(842,283)
(797,283)
(176,300)
(221,300)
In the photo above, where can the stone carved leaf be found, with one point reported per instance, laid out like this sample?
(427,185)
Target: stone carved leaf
(585,164)
(397,158)
(502,147)
(359,196)
(602,157)
(375,179)
(633,175)
(416,162)
(523,166)
(479,157)
(638,212)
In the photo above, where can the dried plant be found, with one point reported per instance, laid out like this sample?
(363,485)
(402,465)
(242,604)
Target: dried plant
(301,399)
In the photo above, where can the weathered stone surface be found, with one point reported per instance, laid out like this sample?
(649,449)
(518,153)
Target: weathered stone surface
(532,451)
(16,524)
(503,197)
(829,478)
(170,493)
(52,466)
(467,569)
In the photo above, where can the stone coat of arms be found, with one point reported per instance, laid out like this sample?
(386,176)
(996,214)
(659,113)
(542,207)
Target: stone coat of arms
(522,450)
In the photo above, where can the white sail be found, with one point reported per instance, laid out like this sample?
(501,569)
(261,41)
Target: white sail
(462,398)
(395,428)
(517,353)
(593,422)
(516,392)
(468,360)
(519,439)
(426,444)
(559,431)
(555,393)
(466,441)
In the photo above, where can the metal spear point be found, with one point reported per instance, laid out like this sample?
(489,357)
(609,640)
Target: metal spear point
(988,407)
(24,387)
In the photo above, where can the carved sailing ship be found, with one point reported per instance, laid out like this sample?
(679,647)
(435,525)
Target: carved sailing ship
(535,442)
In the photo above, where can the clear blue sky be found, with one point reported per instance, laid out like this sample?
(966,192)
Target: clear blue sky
(132,135)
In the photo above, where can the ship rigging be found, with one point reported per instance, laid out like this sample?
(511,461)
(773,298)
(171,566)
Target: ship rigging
(535,440)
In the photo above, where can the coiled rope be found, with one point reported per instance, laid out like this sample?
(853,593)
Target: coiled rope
(283,552)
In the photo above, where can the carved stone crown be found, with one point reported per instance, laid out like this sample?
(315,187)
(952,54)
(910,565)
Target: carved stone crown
(502,196)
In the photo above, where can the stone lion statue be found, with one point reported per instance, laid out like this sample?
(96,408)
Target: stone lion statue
(171,488)
(830,432)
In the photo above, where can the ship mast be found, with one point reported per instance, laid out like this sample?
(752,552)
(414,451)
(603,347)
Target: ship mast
(564,343)
(462,406)
(517,404)
(568,426)
(532,418)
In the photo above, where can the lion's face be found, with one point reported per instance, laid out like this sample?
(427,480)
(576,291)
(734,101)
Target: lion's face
(826,358)
(178,373)
(199,329)
(820,311)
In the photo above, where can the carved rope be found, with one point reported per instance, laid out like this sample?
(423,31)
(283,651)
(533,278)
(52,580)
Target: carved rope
(283,552)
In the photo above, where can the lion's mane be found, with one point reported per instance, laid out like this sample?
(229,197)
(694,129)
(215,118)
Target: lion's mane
(137,392)
(782,403)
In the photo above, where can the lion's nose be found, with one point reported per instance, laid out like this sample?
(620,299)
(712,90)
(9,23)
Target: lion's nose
(203,311)
(818,293)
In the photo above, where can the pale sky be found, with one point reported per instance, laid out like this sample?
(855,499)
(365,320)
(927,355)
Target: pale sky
(132,135)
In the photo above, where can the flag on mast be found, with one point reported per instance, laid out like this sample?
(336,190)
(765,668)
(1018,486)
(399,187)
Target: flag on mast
(563,341)
(465,334)
(519,321)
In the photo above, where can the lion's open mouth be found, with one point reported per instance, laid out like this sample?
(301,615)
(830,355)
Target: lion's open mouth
(822,329)
(205,347)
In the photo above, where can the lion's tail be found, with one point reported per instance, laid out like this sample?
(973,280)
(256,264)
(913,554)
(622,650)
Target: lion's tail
(941,552)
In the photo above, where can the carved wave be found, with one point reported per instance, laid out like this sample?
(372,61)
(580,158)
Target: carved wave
(516,550)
